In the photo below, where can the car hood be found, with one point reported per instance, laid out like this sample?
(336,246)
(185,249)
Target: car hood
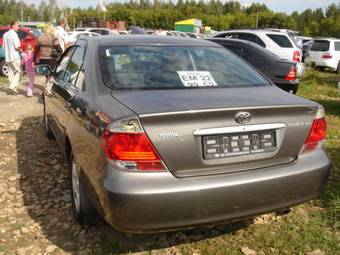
(160,101)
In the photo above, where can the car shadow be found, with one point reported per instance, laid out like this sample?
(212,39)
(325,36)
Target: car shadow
(45,184)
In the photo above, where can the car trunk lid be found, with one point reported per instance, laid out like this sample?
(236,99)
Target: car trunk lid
(185,126)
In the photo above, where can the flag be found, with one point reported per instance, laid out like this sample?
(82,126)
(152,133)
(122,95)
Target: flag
(101,6)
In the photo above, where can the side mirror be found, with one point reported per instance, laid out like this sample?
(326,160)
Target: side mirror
(43,70)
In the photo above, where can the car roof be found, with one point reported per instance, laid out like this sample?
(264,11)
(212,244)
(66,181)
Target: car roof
(253,31)
(148,40)
(326,39)
(21,28)
(246,43)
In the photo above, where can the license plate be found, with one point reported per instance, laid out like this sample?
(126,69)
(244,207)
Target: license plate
(232,145)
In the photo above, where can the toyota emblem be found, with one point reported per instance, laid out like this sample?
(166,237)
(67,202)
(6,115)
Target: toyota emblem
(242,117)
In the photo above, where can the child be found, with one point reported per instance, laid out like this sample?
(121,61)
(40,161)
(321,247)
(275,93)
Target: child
(27,60)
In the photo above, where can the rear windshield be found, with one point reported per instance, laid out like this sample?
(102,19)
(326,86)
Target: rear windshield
(281,40)
(320,45)
(174,67)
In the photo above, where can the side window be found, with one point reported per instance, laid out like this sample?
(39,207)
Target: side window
(235,49)
(251,38)
(281,40)
(62,65)
(337,46)
(225,35)
(74,66)
(21,34)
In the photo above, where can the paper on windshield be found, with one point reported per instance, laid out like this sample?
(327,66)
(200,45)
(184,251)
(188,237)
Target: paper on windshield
(196,78)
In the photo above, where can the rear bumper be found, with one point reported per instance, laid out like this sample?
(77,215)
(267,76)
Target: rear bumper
(330,63)
(151,202)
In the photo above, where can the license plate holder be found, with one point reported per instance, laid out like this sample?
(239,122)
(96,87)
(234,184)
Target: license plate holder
(238,144)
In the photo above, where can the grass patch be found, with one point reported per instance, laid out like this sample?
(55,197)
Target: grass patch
(17,226)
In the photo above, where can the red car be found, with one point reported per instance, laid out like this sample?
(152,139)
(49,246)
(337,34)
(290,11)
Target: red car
(26,36)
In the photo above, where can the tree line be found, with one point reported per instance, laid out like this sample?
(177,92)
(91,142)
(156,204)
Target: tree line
(163,14)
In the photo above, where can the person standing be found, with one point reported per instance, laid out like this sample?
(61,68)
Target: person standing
(28,61)
(61,34)
(47,51)
(11,47)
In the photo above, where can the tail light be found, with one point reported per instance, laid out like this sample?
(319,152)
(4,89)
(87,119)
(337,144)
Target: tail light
(327,55)
(127,146)
(317,133)
(296,56)
(291,76)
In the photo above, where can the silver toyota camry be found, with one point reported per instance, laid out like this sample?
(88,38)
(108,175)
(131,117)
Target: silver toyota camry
(165,133)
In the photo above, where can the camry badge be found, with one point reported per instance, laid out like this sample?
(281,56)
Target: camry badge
(242,117)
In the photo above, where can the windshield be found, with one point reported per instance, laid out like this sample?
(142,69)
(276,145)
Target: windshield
(36,32)
(174,67)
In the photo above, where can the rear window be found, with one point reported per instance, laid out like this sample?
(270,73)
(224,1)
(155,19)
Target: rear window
(320,45)
(174,67)
(281,40)
(337,46)
(237,50)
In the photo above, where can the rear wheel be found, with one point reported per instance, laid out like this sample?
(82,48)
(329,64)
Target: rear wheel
(3,68)
(338,68)
(82,208)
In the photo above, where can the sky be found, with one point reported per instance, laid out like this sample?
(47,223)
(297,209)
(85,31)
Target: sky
(287,6)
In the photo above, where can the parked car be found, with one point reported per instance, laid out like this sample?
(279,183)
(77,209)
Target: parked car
(195,35)
(26,36)
(98,30)
(277,42)
(3,64)
(179,33)
(325,53)
(165,133)
(281,72)
(75,35)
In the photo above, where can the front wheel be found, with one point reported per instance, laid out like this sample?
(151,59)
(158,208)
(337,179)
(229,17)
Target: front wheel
(82,208)
(3,68)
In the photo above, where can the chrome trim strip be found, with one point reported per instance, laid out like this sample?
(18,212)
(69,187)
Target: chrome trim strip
(238,129)
(146,115)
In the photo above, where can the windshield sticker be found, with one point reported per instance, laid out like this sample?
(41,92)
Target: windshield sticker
(196,78)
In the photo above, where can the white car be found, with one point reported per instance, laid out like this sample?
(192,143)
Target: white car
(325,53)
(75,35)
(99,30)
(276,42)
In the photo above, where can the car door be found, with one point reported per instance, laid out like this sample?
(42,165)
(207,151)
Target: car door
(58,99)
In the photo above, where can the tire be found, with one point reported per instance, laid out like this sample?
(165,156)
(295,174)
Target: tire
(320,68)
(48,131)
(3,68)
(338,68)
(82,208)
